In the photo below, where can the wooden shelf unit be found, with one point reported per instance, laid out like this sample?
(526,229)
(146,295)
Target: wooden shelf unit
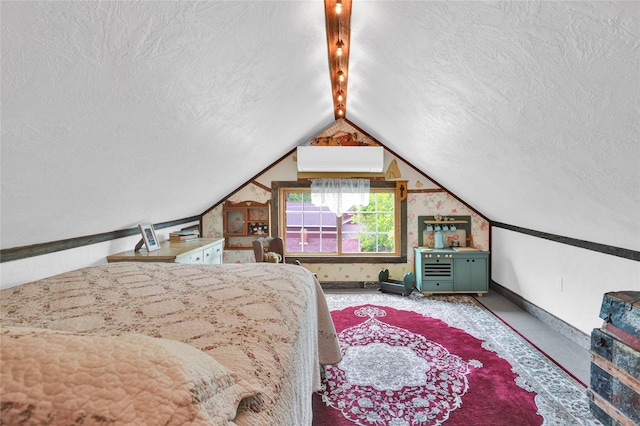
(243,222)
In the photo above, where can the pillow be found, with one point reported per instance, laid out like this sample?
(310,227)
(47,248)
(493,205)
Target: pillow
(61,378)
(272,257)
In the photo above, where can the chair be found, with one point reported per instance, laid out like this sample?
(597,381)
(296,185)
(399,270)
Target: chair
(258,251)
(275,245)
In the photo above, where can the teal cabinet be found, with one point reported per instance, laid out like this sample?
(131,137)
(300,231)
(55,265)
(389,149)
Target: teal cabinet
(471,272)
(452,271)
(434,271)
(437,286)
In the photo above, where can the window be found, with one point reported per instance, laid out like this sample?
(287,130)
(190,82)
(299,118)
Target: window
(373,231)
(370,228)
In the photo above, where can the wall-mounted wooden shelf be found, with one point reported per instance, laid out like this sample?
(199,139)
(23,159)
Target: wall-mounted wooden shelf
(461,223)
(244,222)
(444,222)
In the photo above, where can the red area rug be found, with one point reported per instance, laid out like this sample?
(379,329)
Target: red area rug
(427,361)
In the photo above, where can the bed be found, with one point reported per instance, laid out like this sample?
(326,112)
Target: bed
(158,343)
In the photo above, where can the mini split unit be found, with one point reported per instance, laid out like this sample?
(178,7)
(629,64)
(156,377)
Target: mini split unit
(369,159)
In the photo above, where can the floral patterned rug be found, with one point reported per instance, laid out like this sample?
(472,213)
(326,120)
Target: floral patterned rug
(429,361)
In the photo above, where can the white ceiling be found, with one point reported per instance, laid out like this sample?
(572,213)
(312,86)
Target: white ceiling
(115,113)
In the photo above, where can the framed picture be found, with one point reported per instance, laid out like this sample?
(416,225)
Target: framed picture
(149,236)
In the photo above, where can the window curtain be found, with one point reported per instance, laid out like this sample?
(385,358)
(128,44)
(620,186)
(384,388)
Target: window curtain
(339,195)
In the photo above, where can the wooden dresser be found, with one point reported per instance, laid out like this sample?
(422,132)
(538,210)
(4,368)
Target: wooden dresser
(204,250)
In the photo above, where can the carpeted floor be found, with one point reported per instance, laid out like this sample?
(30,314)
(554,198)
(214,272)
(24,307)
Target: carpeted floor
(428,361)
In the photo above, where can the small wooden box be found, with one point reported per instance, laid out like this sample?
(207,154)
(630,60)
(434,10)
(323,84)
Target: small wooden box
(614,390)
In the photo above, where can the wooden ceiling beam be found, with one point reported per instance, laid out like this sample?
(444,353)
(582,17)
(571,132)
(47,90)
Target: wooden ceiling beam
(338,35)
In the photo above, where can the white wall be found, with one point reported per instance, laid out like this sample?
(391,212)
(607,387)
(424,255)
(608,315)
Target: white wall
(35,268)
(533,267)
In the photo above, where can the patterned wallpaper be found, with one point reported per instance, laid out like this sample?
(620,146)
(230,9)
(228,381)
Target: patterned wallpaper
(342,133)
(212,221)
(418,204)
(424,199)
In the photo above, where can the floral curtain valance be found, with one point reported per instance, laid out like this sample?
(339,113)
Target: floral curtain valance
(339,195)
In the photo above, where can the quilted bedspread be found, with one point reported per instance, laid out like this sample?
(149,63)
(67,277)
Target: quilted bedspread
(154,343)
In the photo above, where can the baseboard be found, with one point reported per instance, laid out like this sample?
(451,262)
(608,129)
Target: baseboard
(567,330)
(349,284)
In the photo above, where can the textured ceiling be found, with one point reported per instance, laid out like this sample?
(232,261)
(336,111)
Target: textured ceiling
(527,110)
(114,113)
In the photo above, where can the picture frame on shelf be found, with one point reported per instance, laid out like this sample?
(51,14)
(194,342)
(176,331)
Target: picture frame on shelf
(149,237)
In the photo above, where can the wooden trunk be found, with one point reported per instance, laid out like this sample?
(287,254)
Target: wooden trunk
(622,309)
(615,368)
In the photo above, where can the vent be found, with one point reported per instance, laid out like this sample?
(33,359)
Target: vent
(369,159)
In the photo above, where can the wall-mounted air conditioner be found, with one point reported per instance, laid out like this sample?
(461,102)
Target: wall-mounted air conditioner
(369,159)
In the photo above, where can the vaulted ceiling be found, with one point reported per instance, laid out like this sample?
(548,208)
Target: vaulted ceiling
(116,113)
